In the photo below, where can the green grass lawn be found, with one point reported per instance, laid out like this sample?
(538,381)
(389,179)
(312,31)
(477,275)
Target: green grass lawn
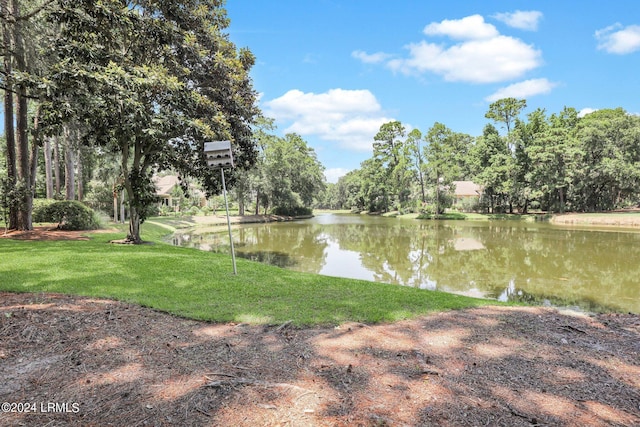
(201,285)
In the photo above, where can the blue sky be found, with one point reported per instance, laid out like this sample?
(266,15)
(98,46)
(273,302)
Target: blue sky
(334,71)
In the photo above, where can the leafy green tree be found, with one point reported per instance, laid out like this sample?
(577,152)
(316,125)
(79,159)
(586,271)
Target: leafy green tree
(505,111)
(524,136)
(393,157)
(154,81)
(293,175)
(552,152)
(608,176)
(413,143)
(349,191)
(387,144)
(19,78)
(442,164)
(374,186)
(493,163)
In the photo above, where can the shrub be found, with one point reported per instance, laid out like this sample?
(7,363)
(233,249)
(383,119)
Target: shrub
(470,204)
(39,204)
(68,214)
(292,211)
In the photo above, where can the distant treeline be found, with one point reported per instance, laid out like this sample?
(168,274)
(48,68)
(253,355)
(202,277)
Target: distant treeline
(558,162)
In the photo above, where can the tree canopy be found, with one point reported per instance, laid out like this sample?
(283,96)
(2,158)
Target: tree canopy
(152,81)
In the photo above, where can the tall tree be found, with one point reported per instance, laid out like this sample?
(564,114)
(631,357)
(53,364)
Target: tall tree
(393,155)
(506,110)
(493,164)
(9,130)
(374,188)
(413,142)
(293,174)
(440,153)
(552,151)
(154,80)
(17,82)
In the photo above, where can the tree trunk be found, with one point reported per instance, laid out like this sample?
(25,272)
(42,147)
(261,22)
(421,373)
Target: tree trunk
(122,215)
(134,215)
(22,142)
(115,204)
(134,225)
(422,191)
(35,145)
(48,170)
(437,193)
(56,166)
(241,207)
(79,177)
(240,195)
(69,167)
(9,130)
(258,202)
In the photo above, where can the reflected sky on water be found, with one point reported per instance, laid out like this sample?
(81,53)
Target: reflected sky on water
(505,260)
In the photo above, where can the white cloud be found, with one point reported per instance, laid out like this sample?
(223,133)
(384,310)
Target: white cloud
(523,90)
(373,58)
(586,111)
(470,28)
(332,175)
(523,20)
(489,60)
(349,117)
(619,40)
(480,55)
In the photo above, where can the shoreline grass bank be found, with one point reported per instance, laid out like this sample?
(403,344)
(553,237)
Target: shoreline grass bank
(200,285)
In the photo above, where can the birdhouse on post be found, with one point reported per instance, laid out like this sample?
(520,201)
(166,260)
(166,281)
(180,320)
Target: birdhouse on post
(218,154)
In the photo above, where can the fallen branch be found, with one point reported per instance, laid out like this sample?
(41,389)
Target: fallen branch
(217,374)
(571,328)
(247,381)
(284,325)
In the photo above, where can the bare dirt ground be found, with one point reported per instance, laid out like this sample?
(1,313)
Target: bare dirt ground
(72,361)
(108,363)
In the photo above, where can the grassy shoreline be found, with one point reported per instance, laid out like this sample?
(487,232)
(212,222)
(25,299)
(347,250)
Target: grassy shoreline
(616,219)
(200,285)
(629,219)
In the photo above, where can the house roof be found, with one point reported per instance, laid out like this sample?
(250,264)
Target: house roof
(165,184)
(467,188)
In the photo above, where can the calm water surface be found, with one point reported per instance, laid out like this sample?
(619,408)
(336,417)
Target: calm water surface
(505,260)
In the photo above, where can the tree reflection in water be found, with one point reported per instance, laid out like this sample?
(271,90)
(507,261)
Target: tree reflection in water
(510,260)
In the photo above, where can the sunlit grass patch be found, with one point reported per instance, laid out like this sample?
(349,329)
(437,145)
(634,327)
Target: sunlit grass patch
(201,285)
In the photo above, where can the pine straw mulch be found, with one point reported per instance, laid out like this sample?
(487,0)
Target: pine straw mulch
(121,364)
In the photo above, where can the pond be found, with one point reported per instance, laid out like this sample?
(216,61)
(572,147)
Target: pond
(594,269)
